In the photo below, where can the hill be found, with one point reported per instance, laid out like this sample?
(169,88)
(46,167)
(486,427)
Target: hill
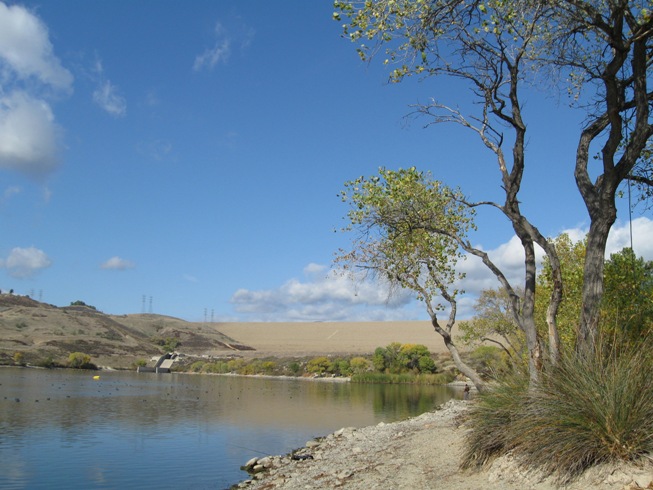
(41,331)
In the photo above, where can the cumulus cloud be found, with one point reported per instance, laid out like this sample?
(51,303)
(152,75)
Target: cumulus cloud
(222,48)
(323,295)
(26,50)
(29,135)
(327,295)
(25,262)
(118,264)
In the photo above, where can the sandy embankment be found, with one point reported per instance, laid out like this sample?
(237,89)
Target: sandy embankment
(417,454)
(330,338)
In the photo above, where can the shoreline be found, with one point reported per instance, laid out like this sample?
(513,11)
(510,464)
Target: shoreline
(422,452)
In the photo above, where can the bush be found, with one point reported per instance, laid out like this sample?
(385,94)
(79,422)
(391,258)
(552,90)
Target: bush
(359,365)
(295,368)
(19,359)
(79,360)
(319,365)
(584,411)
(490,361)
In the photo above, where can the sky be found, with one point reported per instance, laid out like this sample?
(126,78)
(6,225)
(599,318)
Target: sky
(185,159)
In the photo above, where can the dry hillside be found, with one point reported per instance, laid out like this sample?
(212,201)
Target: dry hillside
(42,331)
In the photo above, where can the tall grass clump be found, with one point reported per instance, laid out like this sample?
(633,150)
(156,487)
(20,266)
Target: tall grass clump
(491,418)
(584,411)
(589,410)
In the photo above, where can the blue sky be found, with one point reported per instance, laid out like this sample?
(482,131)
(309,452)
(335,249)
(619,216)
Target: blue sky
(185,158)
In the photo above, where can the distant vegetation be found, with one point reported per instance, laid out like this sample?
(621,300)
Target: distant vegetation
(81,303)
(395,363)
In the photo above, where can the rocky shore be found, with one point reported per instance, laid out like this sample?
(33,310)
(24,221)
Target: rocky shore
(418,453)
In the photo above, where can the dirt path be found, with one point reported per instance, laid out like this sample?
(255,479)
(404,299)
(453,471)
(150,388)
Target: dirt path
(419,453)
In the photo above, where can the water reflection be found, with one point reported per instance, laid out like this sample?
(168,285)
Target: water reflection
(147,430)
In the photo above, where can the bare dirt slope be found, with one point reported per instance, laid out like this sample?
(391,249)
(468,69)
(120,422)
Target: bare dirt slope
(40,331)
(327,338)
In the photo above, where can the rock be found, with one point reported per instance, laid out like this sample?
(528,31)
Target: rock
(311,444)
(265,462)
(250,463)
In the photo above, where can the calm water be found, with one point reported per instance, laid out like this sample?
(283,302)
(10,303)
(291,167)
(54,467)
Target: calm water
(129,430)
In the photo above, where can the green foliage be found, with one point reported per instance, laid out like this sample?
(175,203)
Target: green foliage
(585,410)
(627,308)
(494,321)
(627,305)
(46,362)
(409,227)
(397,358)
(167,344)
(21,325)
(490,361)
(318,365)
(81,303)
(295,368)
(403,378)
(19,358)
(572,260)
(360,365)
(79,360)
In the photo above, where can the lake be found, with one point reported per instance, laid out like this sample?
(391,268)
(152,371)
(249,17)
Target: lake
(64,429)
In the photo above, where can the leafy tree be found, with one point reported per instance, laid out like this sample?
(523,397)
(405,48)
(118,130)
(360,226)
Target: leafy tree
(411,230)
(494,323)
(416,358)
(571,256)
(600,52)
(627,306)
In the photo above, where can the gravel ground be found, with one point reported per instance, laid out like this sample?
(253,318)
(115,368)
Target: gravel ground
(418,453)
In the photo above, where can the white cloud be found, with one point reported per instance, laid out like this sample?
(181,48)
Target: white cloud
(25,49)
(25,262)
(326,295)
(118,264)
(237,35)
(28,135)
(212,56)
(107,97)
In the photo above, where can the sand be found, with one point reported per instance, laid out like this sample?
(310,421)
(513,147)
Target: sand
(327,338)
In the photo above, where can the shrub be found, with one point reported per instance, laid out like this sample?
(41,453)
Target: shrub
(490,361)
(319,365)
(79,360)
(360,365)
(235,365)
(584,411)
(46,362)
(19,358)
(295,368)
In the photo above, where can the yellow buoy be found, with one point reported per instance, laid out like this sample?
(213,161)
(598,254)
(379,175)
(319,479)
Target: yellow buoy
(96,377)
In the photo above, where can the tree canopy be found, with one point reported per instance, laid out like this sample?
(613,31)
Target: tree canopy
(595,50)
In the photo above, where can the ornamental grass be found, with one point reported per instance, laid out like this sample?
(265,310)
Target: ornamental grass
(584,411)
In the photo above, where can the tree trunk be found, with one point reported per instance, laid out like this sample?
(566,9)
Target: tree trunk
(460,364)
(593,281)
